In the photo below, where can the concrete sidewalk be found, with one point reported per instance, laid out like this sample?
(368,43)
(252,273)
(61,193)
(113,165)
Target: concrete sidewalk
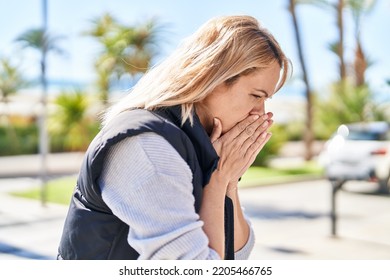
(58,164)
(29,230)
(291,221)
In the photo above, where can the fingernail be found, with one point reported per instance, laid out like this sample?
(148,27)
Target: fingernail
(215,122)
(265,117)
(263,135)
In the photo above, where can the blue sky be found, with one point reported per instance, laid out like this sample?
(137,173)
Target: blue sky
(71,17)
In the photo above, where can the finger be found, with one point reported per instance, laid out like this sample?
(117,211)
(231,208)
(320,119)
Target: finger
(270,115)
(248,140)
(251,146)
(217,130)
(250,130)
(241,126)
(256,148)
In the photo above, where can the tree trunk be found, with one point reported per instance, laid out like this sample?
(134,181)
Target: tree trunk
(308,136)
(360,64)
(340,46)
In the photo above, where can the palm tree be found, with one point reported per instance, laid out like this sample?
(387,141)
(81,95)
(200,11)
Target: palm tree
(308,137)
(101,30)
(40,40)
(141,47)
(126,50)
(360,8)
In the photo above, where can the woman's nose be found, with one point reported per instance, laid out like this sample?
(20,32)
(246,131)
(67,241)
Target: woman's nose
(259,108)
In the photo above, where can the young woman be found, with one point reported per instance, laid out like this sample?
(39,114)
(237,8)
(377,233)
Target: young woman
(160,179)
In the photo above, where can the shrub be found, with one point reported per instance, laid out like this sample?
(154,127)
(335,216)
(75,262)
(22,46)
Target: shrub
(18,139)
(272,147)
(71,126)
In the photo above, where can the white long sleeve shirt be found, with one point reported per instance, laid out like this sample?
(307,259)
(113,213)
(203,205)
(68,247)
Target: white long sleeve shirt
(148,185)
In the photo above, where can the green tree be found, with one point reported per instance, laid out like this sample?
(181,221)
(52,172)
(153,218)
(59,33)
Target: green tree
(347,103)
(11,80)
(125,50)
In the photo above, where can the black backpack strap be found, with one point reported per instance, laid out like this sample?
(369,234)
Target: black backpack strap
(229,229)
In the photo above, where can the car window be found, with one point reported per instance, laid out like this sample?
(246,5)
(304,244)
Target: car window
(366,135)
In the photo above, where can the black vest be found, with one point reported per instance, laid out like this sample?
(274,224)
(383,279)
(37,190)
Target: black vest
(91,231)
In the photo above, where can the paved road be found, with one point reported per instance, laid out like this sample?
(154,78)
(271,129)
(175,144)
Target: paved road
(291,221)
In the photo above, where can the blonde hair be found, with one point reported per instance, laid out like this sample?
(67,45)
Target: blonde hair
(221,51)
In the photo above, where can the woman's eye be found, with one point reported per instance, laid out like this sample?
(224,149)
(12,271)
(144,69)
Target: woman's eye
(257,96)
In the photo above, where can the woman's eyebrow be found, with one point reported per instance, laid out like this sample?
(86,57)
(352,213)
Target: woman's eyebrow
(263,91)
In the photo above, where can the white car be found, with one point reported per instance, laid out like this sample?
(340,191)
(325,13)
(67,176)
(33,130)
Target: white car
(359,151)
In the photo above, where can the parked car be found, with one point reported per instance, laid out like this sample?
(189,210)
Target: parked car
(359,151)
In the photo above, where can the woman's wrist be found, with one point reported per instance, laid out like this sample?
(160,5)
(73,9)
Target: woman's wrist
(219,180)
(232,188)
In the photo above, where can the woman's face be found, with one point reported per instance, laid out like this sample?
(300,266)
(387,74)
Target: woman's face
(234,103)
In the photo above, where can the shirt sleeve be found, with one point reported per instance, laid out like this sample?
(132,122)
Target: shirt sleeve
(244,252)
(147,185)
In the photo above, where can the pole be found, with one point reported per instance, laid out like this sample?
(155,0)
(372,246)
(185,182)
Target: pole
(43,135)
(336,186)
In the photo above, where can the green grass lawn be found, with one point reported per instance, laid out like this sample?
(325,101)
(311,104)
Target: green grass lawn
(57,191)
(259,176)
(60,190)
